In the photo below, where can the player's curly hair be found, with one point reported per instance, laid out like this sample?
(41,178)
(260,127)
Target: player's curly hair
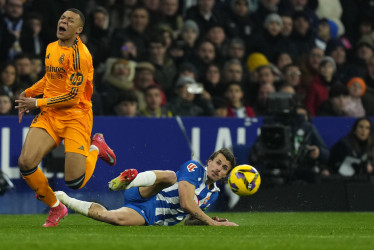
(228,155)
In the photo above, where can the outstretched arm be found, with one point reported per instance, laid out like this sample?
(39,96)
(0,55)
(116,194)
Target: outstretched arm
(186,194)
(191,221)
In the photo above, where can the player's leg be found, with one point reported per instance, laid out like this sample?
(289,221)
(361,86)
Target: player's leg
(38,143)
(163,180)
(81,155)
(80,162)
(150,182)
(123,216)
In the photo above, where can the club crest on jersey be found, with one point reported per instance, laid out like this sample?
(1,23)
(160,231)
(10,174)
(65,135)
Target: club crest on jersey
(62,58)
(191,167)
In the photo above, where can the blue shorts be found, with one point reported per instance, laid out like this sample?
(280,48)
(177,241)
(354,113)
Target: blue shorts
(146,207)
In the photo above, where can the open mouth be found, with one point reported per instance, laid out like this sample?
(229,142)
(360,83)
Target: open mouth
(61,29)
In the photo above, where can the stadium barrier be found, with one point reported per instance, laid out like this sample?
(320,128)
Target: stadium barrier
(141,143)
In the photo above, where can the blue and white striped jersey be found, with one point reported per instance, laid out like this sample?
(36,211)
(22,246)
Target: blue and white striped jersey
(168,211)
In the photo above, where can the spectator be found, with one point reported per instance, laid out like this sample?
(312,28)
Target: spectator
(165,69)
(98,34)
(233,71)
(137,32)
(265,75)
(144,77)
(292,76)
(153,100)
(212,81)
(32,38)
(37,68)
(5,104)
(204,15)
(303,36)
(260,107)
(122,74)
(167,33)
(8,80)
(128,50)
(318,92)
(217,35)
(205,55)
(337,102)
(283,59)
(189,102)
(356,87)
(304,6)
(184,46)
(311,151)
(11,24)
(126,104)
(327,30)
(234,96)
(239,21)
(265,8)
(169,15)
(368,98)
(309,67)
(353,155)
(270,42)
(332,10)
(24,69)
(287,27)
(236,49)
(345,70)
(364,49)
(188,69)
(221,106)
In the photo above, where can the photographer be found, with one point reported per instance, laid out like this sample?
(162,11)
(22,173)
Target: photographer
(289,147)
(353,155)
(191,99)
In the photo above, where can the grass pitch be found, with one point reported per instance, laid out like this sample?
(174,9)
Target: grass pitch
(256,231)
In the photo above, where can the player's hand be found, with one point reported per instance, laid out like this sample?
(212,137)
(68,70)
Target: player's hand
(24,105)
(227,224)
(219,219)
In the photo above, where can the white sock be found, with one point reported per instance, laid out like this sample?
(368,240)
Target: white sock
(143,179)
(78,206)
(93,147)
(56,204)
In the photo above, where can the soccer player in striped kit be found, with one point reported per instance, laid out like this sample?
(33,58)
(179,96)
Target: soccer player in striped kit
(163,197)
(66,114)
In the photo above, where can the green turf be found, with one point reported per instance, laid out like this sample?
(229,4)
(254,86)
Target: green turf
(256,231)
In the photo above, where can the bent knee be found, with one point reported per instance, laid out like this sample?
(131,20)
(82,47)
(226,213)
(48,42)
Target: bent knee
(171,177)
(26,162)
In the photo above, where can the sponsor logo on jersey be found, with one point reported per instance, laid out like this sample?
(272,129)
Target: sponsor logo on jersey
(191,167)
(76,79)
(47,57)
(81,148)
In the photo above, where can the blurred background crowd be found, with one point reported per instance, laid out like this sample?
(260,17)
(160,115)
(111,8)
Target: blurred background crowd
(162,58)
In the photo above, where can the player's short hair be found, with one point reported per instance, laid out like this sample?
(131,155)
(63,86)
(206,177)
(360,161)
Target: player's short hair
(228,155)
(81,15)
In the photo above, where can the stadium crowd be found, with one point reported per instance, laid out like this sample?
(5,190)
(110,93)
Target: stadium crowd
(149,55)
